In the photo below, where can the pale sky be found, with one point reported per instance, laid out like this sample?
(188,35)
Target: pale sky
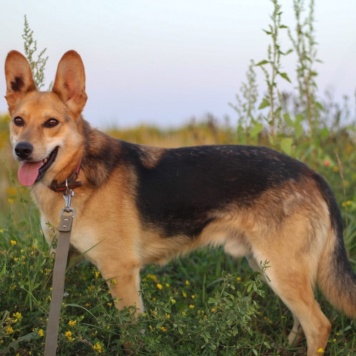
(162,62)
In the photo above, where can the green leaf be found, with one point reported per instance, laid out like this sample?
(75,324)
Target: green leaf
(286,145)
(262,63)
(319,105)
(256,129)
(15,345)
(286,53)
(270,31)
(324,133)
(264,104)
(298,130)
(299,118)
(288,119)
(296,124)
(284,75)
(277,112)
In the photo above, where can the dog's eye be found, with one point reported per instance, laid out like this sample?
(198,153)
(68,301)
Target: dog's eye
(19,121)
(51,123)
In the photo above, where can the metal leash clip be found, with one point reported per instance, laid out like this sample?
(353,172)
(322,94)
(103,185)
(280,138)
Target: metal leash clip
(68,195)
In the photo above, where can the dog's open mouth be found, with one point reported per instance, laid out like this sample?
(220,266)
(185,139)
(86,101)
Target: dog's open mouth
(31,172)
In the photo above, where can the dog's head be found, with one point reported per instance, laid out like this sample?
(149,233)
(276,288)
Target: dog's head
(45,127)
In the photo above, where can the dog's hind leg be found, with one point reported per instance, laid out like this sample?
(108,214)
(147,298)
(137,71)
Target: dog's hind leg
(293,285)
(306,310)
(296,333)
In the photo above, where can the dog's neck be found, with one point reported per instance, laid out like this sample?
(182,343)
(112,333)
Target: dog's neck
(70,183)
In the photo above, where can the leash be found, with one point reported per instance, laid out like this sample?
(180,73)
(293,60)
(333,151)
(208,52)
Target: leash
(59,269)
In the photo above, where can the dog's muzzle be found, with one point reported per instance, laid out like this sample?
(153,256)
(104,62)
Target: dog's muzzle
(32,171)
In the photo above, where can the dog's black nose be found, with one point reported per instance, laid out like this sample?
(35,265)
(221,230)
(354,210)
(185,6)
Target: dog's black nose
(23,150)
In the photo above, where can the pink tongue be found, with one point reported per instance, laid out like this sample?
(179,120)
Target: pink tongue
(28,173)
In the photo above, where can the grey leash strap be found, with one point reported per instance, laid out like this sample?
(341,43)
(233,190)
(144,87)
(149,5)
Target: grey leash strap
(59,269)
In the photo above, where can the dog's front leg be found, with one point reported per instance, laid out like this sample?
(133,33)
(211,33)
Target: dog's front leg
(124,284)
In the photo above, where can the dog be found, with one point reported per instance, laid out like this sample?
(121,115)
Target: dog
(137,205)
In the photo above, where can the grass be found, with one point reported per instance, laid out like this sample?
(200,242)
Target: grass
(204,304)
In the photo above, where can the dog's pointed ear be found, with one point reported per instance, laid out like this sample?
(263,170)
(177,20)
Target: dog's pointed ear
(19,80)
(69,84)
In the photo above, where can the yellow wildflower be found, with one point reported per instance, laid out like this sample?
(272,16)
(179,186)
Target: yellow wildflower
(40,332)
(163,329)
(8,329)
(191,306)
(98,348)
(320,350)
(113,282)
(11,191)
(72,323)
(187,283)
(152,276)
(13,242)
(159,286)
(69,335)
(17,316)
(346,203)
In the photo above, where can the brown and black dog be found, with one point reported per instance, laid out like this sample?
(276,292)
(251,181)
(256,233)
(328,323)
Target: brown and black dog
(138,205)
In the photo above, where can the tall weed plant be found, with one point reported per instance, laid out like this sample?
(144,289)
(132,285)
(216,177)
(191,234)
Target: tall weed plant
(38,64)
(287,119)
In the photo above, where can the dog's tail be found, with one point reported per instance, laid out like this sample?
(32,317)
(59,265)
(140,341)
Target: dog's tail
(336,280)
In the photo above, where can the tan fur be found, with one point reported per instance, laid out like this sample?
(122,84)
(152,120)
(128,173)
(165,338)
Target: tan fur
(110,233)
